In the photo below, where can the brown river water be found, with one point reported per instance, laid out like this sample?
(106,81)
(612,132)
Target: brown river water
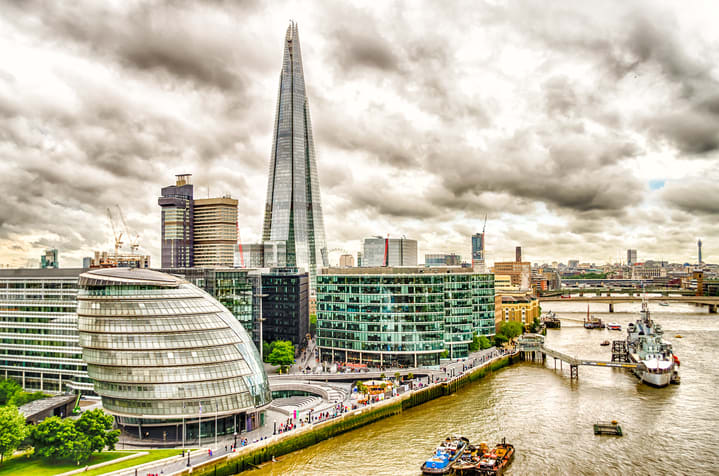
(672,430)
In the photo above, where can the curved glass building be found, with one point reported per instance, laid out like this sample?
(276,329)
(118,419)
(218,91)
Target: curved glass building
(166,356)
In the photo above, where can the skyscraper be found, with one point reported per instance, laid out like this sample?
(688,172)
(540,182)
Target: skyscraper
(293,212)
(380,251)
(631,257)
(478,252)
(214,223)
(177,210)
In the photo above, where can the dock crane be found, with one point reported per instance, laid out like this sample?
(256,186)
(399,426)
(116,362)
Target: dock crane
(117,234)
(134,240)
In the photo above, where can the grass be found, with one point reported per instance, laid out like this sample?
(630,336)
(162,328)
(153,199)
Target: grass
(22,465)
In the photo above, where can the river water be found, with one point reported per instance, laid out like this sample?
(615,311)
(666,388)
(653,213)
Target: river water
(673,430)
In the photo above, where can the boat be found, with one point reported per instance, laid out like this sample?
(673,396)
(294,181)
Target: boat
(468,461)
(608,428)
(445,454)
(551,321)
(613,326)
(592,322)
(663,303)
(606,342)
(678,336)
(657,364)
(496,461)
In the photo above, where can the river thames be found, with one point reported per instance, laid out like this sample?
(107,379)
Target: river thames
(549,418)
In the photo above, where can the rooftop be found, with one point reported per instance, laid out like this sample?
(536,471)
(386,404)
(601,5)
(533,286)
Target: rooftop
(38,406)
(110,276)
(400,270)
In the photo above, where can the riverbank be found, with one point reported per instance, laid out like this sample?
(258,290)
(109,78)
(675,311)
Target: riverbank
(276,446)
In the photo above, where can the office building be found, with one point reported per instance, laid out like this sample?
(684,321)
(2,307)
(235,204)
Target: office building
(162,353)
(293,212)
(518,254)
(49,259)
(285,305)
(401,316)
(87,262)
(214,231)
(347,261)
(519,272)
(39,344)
(442,259)
(516,306)
(390,252)
(359,258)
(478,258)
(176,202)
(631,257)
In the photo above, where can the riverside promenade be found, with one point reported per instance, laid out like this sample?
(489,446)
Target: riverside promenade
(263,444)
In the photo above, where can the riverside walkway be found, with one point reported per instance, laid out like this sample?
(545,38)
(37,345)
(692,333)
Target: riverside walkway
(200,458)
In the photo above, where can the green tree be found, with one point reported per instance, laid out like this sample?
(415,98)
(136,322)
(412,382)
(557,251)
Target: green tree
(8,389)
(484,343)
(12,430)
(500,339)
(474,345)
(313,324)
(511,329)
(444,354)
(97,426)
(58,439)
(536,325)
(396,376)
(282,354)
(21,398)
(266,350)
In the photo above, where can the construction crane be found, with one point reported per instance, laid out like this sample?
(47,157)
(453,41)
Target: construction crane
(115,232)
(485,223)
(134,240)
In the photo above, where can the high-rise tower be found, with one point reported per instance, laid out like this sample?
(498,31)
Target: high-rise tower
(699,248)
(293,212)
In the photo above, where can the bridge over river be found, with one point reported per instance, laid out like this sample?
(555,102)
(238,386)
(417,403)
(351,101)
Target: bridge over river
(711,301)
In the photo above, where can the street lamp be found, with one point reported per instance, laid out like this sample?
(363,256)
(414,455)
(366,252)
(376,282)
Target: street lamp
(188,457)
(235,445)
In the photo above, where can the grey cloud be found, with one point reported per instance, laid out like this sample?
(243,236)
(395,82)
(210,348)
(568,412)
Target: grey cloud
(694,197)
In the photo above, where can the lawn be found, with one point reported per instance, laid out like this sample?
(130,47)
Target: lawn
(39,467)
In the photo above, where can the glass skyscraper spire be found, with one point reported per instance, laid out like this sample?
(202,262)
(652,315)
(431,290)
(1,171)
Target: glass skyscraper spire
(293,213)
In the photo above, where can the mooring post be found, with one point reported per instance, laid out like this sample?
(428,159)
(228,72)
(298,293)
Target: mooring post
(573,372)
(611,307)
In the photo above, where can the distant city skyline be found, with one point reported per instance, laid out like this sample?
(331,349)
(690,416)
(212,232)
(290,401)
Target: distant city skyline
(579,143)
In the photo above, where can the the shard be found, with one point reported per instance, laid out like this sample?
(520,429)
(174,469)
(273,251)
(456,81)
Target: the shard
(293,212)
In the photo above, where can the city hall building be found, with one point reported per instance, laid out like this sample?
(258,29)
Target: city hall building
(403,316)
(166,357)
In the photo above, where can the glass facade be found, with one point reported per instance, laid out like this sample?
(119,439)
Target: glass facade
(293,212)
(402,316)
(38,330)
(176,226)
(285,306)
(400,252)
(159,348)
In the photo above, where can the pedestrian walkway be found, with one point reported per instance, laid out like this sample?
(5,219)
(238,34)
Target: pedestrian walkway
(277,420)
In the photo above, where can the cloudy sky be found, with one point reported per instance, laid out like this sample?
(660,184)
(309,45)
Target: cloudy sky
(580,128)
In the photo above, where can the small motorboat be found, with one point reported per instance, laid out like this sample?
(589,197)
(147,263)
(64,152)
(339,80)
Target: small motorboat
(663,303)
(678,336)
(613,326)
(606,342)
(445,454)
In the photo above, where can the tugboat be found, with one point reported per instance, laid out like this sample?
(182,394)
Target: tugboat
(658,364)
(445,454)
(495,462)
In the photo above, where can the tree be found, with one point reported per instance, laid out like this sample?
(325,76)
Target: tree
(12,430)
(313,324)
(58,439)
(484,343)
(500,339)
(536,325)
(444,354)
(511,329)
(8,389)
(21,398)
(474,345)
(97,426)
(266,350)
(282,354)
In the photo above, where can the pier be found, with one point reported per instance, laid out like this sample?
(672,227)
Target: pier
(531,347)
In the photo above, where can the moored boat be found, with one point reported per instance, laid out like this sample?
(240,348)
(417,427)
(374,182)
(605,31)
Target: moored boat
(496,461)
(606,342)
(445,454)
(613,326)
(657,364)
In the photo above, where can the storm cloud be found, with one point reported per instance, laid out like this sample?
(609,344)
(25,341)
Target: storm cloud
(552,118)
